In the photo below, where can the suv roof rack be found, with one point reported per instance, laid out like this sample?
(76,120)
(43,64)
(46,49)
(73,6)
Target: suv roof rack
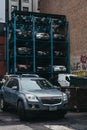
(21,75)
(30,75)
(11,75)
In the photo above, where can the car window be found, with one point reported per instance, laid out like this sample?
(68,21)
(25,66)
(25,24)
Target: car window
(35,84)
(12,82)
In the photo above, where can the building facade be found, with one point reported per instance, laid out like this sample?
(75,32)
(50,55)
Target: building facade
(76,12)
(23,5)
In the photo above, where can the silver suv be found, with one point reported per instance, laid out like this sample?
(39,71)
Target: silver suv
(32,94)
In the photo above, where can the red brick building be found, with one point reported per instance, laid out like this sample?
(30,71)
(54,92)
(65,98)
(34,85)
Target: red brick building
(2,55)
(76,13)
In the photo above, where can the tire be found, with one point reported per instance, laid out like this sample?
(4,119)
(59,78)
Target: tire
(21,111)
(63,113)
(3,104)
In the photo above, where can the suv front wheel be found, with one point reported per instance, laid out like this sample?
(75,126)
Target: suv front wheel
(3,104)
(21,110)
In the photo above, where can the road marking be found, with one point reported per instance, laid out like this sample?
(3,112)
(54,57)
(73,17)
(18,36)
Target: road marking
(15,127)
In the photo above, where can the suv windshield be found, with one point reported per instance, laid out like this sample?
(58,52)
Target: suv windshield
(35,84)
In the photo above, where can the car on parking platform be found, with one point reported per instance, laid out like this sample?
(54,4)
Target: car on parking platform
(31,94)
(42,36)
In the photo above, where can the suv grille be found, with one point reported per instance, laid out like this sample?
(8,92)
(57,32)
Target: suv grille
(51,100)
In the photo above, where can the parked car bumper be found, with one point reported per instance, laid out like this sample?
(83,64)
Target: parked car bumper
(46,107)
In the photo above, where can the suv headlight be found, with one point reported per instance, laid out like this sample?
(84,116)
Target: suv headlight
(65,97)
(31,98)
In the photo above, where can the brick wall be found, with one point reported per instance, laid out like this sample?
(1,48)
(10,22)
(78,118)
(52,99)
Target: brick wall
(2,56)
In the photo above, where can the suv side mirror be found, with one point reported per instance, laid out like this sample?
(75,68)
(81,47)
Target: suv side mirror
(14,88)
(57,87)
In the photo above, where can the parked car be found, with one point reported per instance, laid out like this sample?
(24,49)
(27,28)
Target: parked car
(64,79)
(57,68)
(42,68)
(43,53)
(42,36)
(59,36)
(24,50)
(24,33)
(32,94)
(24,67)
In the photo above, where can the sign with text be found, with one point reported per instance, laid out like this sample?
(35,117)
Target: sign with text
(2,11)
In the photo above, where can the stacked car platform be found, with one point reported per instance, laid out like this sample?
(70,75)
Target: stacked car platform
(38,43)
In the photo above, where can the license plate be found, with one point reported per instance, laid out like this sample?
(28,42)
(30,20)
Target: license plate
(52,108)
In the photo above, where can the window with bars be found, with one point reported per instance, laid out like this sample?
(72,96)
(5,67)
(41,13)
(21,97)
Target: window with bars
(13,0)
(13,8)
(38,5)
(27,1)
(25,9)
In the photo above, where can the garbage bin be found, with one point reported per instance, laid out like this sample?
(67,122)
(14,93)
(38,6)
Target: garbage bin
(77,93)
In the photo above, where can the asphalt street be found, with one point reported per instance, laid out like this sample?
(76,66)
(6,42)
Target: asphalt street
(72,121)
